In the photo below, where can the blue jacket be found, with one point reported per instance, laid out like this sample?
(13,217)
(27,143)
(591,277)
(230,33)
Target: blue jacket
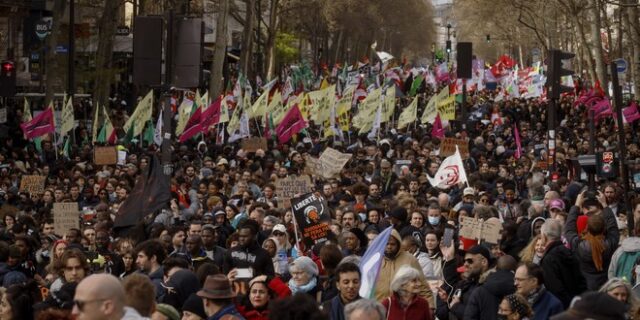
(546,306)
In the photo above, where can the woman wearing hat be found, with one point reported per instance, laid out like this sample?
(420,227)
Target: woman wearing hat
(514,307)
(404,302)
(304,277)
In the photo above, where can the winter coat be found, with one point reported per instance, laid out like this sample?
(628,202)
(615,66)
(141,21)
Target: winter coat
(179,287)
(629,245)
(546,305)
(391,266)
(253,314)
(418,309)
(595,279)
(562,275)
(485,299)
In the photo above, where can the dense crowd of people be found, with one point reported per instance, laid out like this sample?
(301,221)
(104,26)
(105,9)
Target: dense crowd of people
(224,247)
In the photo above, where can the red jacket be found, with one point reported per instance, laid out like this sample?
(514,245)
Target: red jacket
(417,310)
(253,314)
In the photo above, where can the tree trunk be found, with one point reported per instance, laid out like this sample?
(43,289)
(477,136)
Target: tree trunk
(587,49)
(104,53)
(270,47)
(634,36)
(601,71)
(216,82)
(54,63)
(247,37)
(338,47)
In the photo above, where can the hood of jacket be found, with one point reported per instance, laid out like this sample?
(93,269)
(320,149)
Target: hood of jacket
(631,244)
(499,283)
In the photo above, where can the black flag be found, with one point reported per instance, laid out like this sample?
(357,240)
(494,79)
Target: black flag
(151,192)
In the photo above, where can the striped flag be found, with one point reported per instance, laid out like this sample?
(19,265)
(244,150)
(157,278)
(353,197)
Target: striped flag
(39,125)
(371,262)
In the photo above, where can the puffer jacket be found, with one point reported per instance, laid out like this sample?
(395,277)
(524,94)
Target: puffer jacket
(391,266)
(485,299)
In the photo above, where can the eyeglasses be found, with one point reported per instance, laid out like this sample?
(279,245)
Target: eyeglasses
(521,279)
(468,260)
(81,304)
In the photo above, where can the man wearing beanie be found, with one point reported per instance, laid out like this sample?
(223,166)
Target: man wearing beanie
(394,258)
(193,307)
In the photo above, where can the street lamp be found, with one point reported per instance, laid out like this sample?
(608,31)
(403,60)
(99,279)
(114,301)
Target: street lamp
(448,41)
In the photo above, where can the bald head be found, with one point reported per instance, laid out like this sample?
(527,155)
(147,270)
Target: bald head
(102,296)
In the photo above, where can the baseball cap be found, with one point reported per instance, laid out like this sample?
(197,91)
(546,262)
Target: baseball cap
(468,191)
(482,250)
(556,204)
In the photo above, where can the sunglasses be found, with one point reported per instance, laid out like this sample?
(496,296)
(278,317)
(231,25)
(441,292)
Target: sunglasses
(81,304)
(468,260)
(278,233)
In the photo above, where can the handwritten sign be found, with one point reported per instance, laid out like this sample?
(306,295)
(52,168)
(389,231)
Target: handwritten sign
(105,155)
(489,231)
(448,147)
(65,216)
(254,143)
(333,161)
(290,187)
(32,184)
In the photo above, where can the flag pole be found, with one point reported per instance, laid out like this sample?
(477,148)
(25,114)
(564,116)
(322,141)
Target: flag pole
(257,127)
(55,144)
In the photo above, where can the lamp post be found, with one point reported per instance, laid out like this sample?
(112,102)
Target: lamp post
(448,48)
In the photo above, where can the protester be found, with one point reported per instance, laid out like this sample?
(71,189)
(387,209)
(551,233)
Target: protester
(515,307)
(348,285)
(405,301)
(529,283)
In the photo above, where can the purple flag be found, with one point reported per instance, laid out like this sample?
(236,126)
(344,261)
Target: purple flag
(516,134)
(292,123)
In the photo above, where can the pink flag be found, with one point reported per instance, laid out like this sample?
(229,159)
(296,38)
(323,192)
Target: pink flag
(292,123)
(601,109)
(40,125)
(437,131)
(193,126)
(442,72)
(631,113)
(516,133)
(211,116)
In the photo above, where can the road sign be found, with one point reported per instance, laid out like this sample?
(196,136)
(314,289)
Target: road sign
(621,65)
(43,29)
(123,31)
(62,49)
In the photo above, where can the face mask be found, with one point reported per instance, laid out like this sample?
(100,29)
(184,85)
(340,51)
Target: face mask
(434,220)
(501,317)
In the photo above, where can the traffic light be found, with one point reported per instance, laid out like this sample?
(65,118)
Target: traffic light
(8,79)
(555,72)
(448,45)
(488,38)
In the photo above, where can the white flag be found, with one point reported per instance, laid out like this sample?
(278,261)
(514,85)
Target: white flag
(450,173)
(157,134)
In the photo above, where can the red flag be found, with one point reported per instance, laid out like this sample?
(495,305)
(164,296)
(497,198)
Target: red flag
(598,89)
(291,124)
(516,134)
(211,116)
(192,127)
(40,125)
(601,109)
(437,131)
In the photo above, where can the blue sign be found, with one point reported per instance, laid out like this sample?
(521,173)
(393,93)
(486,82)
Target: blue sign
(621,65)
(62,49)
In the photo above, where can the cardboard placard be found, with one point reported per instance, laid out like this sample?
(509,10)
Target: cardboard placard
(65,216)
(448,147)
(332,162)
(290,187)
(105,155)
(489,231)
(312,217)
(253,144)
(32,184)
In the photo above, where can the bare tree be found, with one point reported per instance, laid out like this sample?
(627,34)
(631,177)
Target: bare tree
(219,55)
(104,54)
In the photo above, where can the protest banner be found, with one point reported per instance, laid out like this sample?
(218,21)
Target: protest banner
(447,108)
(448,147)
(312,217)
(290,187)
(32,184)
(105,155)
(313,167)
(333,161)
(254,143)
(65,216)
(489,230)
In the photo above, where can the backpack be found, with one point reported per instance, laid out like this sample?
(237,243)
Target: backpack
(626,265)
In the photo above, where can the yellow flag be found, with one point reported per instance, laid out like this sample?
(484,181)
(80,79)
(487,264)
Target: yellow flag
(389,104)
(430,112)
(184,112)
(26,111)
(367,111)
(343,108)
(304,105)
(324,84)
(67,117)
(322,101)
(447,108)
(234,122)
(224,111)
(141,115)
(276,102)
(409,114)
(259,107)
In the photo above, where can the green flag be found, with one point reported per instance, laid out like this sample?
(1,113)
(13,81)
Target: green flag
(415,85)
(148,134)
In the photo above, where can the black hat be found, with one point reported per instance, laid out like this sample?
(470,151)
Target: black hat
(479,249)
(194,305)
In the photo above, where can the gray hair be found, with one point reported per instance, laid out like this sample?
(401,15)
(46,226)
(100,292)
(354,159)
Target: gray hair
(368,306)
(615,283)
(552,229)
(273,219)
(403,275)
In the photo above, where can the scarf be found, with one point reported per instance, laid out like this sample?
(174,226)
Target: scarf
(596,242)
(303,288)
(535,295)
